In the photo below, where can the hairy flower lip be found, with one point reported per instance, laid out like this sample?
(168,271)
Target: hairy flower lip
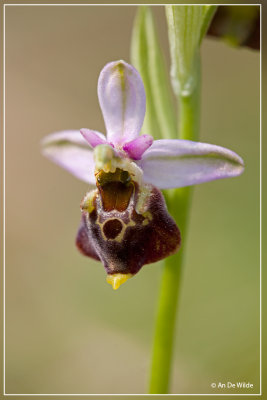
(126,226)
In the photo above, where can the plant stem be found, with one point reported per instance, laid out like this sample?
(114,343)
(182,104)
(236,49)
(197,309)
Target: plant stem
(178,201)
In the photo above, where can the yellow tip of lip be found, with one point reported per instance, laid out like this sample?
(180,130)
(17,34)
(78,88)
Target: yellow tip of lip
(115,280)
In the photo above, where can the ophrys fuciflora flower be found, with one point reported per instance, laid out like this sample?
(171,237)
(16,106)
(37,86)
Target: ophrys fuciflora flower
(125,223)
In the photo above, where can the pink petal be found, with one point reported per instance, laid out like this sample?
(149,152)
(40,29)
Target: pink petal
(138,146)
(94,138)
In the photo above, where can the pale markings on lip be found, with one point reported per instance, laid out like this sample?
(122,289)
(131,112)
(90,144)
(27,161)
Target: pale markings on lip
(143,196)
(148,217)
(120,236)
(141,208)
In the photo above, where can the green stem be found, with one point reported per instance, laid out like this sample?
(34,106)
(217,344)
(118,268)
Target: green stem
(189,111)
(178,201)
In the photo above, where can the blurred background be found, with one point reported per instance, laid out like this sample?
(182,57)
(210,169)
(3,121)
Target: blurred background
(67,331)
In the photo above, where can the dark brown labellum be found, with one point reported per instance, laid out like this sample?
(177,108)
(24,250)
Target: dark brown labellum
(126,225)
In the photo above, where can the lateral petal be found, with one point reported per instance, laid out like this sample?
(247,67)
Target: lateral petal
(138,146)
(94,138)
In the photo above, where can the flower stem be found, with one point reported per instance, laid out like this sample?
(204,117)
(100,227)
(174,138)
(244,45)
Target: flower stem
(178,201)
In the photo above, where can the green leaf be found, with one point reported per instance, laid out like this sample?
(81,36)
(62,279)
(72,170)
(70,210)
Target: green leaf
(187,26)
(147,57)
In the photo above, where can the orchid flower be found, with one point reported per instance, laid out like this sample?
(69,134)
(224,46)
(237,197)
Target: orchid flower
(125,222)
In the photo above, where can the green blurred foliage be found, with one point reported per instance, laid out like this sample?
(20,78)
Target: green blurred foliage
(66,330)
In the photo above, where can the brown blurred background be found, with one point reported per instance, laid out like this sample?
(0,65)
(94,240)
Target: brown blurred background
(67,331)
